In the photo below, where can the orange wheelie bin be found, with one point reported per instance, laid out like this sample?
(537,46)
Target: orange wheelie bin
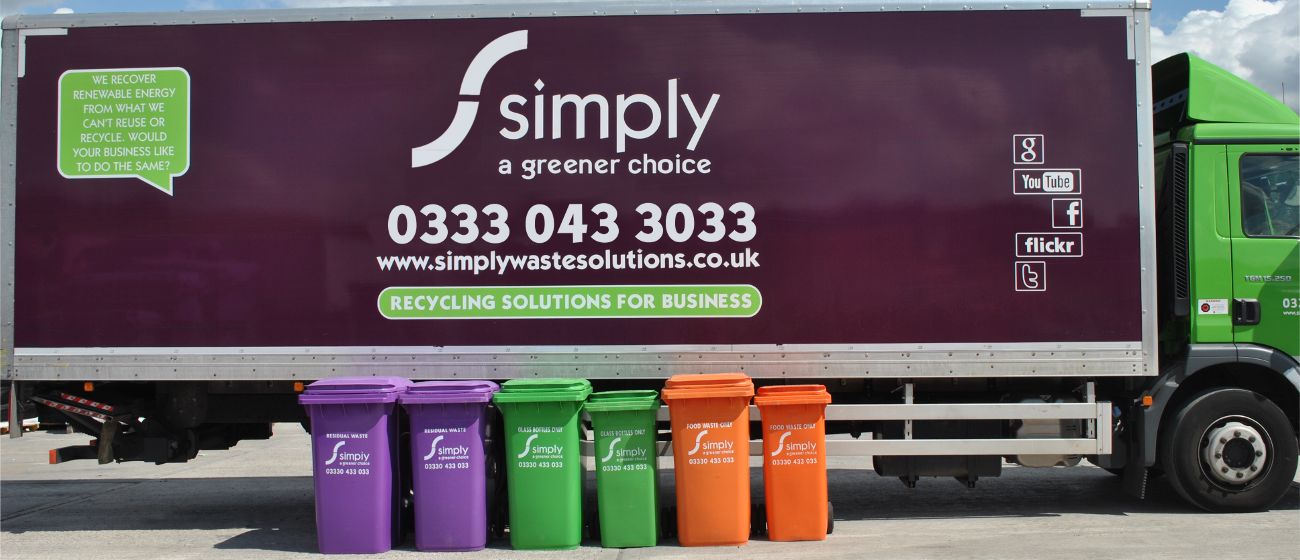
(794,461)
(710,423)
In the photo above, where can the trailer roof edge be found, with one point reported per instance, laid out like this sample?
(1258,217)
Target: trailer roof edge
(535,9)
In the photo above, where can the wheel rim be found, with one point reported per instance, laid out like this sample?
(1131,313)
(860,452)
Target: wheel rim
(1235,453)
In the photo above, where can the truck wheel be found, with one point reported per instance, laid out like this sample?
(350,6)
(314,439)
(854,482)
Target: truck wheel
(1229,450)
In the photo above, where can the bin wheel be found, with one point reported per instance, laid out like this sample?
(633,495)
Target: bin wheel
(830,518)
(591,521)
(758,520)
(500,513)
(497,525)
(668,522)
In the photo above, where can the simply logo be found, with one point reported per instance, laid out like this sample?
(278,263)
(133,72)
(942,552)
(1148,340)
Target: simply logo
(698,438)
(780,444)
(528,446)
(529,115)
(471,84)
(612,444)
(433,450)
(334,456)
(539,451)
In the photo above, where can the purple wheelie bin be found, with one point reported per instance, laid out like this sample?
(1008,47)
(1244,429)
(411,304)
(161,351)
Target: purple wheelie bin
(449,459)
(355,462)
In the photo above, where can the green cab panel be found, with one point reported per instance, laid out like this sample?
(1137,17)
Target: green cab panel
(1209,246)
(1265,223)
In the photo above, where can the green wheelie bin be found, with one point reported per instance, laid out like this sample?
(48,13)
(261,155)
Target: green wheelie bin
(543,462)
(627,471)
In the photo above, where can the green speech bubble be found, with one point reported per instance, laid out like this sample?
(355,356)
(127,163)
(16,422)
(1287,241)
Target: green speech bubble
(125,122)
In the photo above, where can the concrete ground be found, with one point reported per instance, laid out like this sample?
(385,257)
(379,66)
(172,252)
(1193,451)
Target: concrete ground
(255,501)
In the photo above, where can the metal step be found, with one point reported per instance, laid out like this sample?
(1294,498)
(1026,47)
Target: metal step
(963,411)
(926,447)
(1097,415)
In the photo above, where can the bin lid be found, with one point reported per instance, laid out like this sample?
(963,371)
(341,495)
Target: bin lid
(613,401)
(543,390)
(708,385)
(450,391)
(792,394)
(345,390)
(549,384)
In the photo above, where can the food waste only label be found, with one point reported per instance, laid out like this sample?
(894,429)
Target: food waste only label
(120,123)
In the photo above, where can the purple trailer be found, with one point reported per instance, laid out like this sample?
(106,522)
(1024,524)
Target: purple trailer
(912,207)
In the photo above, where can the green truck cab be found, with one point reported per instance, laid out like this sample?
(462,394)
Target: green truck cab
(1223,412)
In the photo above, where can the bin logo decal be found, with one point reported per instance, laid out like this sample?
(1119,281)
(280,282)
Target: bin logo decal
(539,455)
(471,85)
(698,438)
(528,446)
(780,444)
(800,450)
(347,458)
(612,444)
(627,450)
(335,455)
(433,450)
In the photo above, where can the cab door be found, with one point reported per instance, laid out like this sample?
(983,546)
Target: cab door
(1265,225)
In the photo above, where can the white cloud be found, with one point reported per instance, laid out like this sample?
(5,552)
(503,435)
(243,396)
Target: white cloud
(1255,39)
(15,6)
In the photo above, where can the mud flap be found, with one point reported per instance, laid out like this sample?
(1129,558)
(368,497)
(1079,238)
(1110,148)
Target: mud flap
(1135,476)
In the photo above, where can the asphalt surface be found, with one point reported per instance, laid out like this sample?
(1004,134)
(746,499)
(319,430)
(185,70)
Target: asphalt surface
(255,501)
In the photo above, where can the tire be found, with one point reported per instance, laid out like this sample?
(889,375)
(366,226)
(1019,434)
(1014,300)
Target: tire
(668,522)
(757,520)
(1201,427)
(830,518)
(592,518)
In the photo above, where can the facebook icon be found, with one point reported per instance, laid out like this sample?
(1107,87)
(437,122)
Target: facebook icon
(1067,213)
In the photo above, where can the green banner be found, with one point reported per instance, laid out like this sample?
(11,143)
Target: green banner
(570,302)
(132,122)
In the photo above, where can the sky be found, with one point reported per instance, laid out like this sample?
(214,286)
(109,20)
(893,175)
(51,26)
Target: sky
(1258,40)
